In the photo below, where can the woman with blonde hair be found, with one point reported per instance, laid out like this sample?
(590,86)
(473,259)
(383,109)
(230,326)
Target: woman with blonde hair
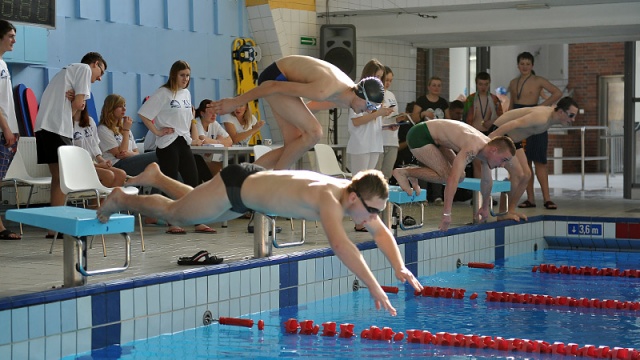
(241,125)
(117,143)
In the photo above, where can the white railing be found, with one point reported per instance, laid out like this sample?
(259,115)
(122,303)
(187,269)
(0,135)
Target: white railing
(582,158)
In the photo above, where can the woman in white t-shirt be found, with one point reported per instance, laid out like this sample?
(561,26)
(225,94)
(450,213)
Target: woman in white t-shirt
(241,125)
(171,108)
(210,132)
(390,136)
(85,135)
(117,143)
(365,130)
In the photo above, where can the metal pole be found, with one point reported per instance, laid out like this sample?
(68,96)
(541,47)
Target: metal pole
(261,242)
(582,131)
(71,252)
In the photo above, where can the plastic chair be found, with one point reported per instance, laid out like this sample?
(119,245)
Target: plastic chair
(18,176)
(327,162)
(79,181)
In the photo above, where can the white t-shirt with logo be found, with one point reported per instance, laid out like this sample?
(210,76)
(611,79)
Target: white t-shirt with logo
(109,140)
(169,110)
(6,98)
(87,137)
(55,114)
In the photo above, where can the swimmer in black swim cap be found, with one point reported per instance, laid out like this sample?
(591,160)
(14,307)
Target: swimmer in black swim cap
(371,90)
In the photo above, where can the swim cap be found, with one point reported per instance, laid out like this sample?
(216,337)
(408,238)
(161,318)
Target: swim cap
(501,90)
(373,87)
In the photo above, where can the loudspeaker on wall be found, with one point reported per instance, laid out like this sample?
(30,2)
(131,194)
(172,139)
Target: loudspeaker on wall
(338,47)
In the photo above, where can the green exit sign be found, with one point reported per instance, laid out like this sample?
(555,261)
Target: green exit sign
(308,40)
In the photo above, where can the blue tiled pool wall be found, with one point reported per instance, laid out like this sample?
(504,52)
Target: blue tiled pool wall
(62,322)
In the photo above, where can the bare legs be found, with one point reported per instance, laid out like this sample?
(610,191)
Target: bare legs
(300,131)
(57,196)
(206,203)
(519,175)
(542,174)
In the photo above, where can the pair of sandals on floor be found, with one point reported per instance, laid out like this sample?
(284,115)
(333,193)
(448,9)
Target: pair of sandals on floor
(202,257)
(549,205)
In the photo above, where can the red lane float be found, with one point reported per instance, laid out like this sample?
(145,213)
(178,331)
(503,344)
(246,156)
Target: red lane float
(236,322)
(479,265)
(540,299)
(435,291)
(585,270)
(519,345)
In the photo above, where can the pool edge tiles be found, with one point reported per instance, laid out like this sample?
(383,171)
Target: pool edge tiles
(154,304)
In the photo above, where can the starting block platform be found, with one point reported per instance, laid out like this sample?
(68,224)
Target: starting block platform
(473,184)
(397,197)
(76,224)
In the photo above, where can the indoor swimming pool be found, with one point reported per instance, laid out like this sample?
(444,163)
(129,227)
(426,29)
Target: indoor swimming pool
(551,324)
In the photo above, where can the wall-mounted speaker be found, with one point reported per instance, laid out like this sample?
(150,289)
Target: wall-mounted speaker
(338,47)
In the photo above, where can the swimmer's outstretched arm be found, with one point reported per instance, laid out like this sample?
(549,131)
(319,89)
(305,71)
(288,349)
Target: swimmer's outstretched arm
(331,217)
(387,244)
(315,106)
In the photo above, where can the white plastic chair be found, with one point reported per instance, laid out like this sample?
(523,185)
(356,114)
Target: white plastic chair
(327,162)
(79,181)
(18,176)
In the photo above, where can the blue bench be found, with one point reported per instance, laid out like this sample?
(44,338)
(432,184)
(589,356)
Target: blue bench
(499,186)
(76,224)
(397,197)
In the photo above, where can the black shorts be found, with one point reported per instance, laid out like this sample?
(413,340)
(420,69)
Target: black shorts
(233,177)
(536,149)
(47,144)
(494,128)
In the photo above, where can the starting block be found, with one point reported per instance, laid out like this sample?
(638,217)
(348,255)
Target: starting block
(76,224)
(397,197)
(473,184)
(265,235)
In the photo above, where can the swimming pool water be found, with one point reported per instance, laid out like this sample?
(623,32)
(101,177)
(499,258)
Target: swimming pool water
(536,322)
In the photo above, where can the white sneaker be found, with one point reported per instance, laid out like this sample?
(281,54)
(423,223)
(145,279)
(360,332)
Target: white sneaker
(438,201)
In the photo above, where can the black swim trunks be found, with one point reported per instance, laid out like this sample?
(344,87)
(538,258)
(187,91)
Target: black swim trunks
(272,72)
(233,177)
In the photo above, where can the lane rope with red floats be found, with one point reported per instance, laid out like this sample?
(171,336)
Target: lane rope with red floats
(585,270)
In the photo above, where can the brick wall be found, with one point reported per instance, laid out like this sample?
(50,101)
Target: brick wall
(440,69)
(587,62)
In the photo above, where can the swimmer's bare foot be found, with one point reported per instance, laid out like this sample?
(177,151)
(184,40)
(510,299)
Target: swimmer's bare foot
(402,179)
(512,215)
(414,184)
(110,205)
(147,177)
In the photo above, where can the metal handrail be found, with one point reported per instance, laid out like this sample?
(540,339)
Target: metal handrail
(582,157)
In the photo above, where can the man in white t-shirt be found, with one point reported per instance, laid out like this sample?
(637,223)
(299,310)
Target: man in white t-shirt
(54,123)
(8,120)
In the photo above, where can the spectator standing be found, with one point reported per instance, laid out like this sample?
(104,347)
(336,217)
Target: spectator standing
(8,120)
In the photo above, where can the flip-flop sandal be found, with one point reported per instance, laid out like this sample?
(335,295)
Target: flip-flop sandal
(550,205)
(194,257)
(176,232)
(7,234)
(50,236)
(527,204)
(202,259)
(207,230)
(362,229)
(408,221)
